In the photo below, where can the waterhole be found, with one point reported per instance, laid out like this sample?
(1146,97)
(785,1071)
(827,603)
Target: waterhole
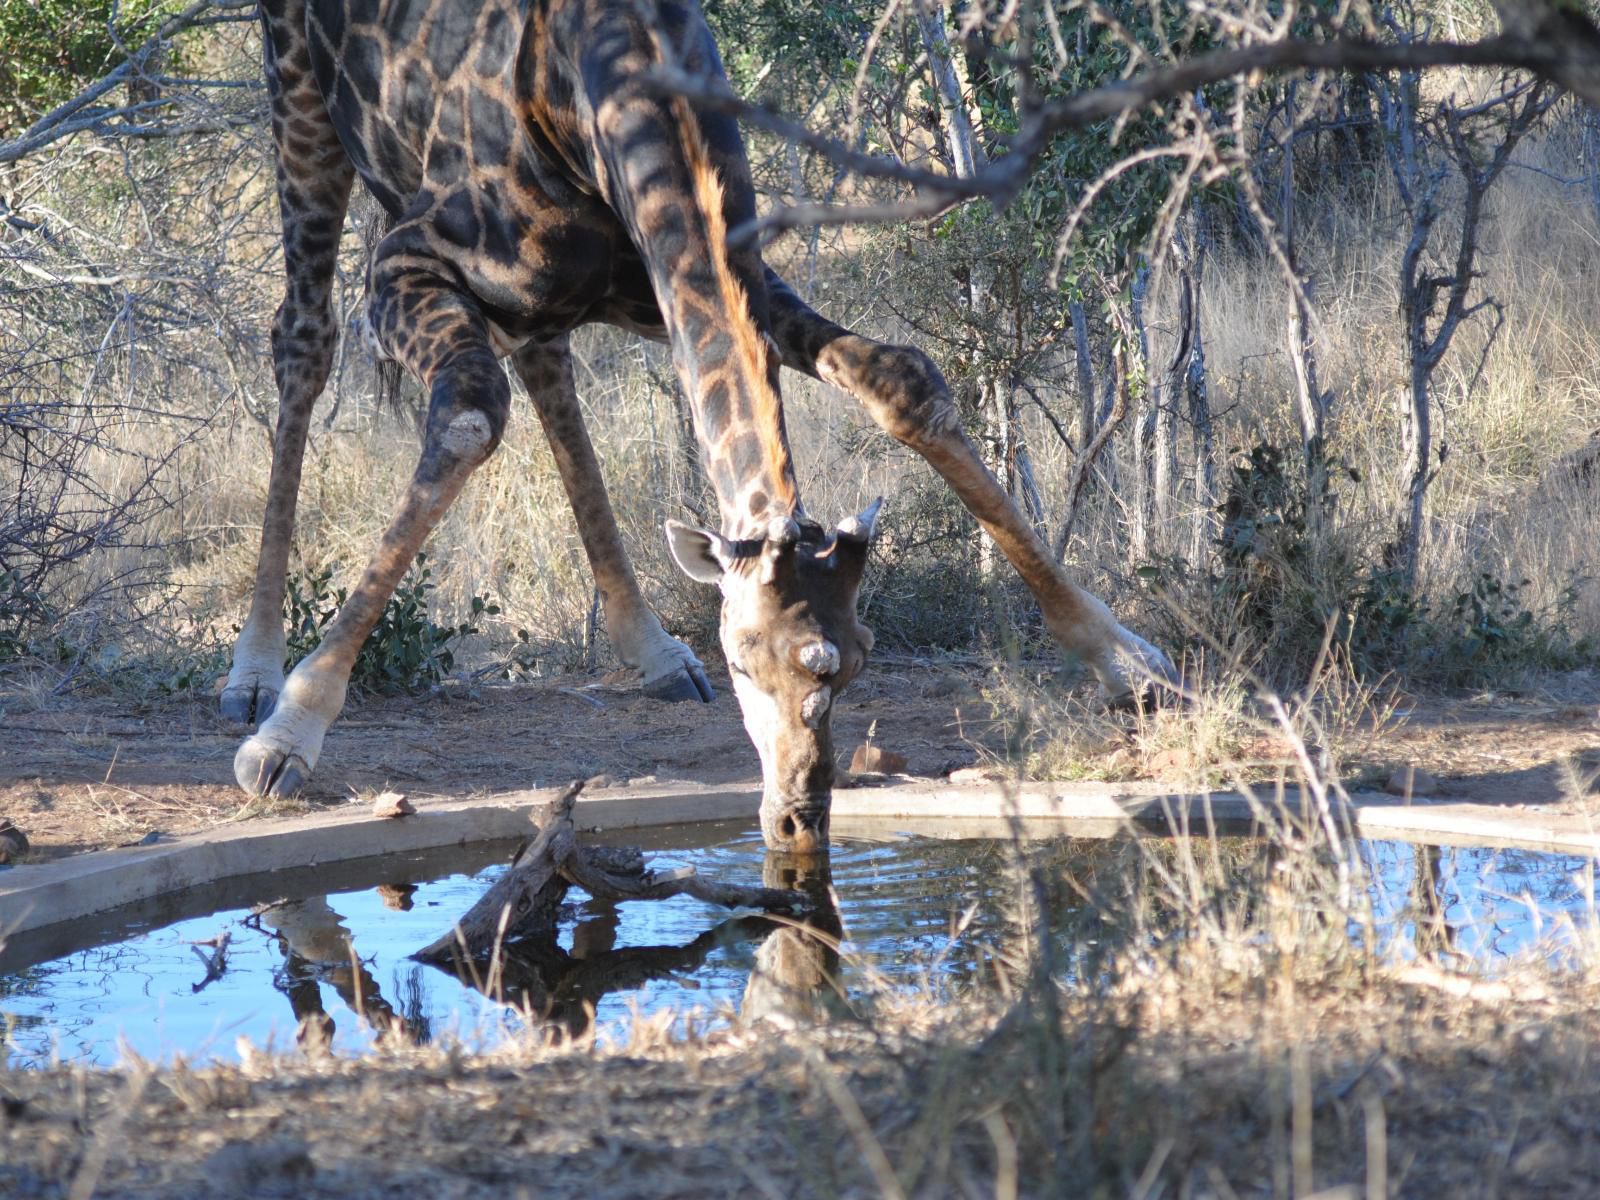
(324,954)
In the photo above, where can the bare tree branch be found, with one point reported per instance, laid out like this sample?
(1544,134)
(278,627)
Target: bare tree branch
(82,115)
(1575,62)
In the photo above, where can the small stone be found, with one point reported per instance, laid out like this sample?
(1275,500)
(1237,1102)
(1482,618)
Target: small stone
(397,896)
(1542,1160)
(392,804)
(1175,760)
(875,759)
(13,842)
(1411,781)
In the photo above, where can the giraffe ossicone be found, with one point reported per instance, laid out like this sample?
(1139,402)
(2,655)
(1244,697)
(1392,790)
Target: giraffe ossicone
(539,181)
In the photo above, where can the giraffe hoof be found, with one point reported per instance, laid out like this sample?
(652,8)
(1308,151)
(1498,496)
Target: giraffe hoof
(686,683)
(264,770)
(248,703)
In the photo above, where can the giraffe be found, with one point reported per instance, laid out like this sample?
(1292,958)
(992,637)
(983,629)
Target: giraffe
(537,182)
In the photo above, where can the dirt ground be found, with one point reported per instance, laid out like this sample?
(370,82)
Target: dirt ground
(85,773)
(80,773)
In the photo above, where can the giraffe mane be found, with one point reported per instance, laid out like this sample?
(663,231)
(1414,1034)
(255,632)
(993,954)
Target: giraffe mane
(750,343)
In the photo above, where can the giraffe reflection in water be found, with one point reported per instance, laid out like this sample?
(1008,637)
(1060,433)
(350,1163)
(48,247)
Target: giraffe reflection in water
(318,949)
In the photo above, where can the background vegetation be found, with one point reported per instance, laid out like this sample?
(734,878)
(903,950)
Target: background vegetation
(1228,456)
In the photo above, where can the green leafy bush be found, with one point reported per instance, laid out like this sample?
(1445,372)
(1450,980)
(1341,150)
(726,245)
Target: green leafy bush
(406,651)
(1287,576)
(54,47)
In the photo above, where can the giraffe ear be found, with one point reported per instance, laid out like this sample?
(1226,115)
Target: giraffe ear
(698,552)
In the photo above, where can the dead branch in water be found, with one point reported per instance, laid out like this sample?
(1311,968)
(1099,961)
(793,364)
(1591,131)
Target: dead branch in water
(525,901)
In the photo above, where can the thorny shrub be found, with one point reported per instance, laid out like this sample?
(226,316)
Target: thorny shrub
(1288,578)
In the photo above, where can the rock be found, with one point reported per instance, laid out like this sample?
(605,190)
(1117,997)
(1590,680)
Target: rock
(397,896)
(869,759)
(392,804)
(1176,760)
(1411,781)
(275,1166)
(13,842)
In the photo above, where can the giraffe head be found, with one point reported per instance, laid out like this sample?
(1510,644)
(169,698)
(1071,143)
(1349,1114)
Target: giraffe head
(792,641)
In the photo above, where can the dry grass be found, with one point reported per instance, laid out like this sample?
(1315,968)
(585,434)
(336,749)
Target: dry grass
(1204,1018)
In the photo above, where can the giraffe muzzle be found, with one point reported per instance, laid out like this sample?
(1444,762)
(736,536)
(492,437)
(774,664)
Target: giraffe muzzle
(796,829)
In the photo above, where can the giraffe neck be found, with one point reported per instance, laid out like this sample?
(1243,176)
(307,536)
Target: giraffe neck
(745,448)
(677,179)
(730,361)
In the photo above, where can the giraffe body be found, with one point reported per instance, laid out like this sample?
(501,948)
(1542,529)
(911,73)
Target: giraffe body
(537,183)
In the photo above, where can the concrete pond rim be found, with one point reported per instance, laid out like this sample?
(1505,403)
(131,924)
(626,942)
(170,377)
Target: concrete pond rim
(37,898)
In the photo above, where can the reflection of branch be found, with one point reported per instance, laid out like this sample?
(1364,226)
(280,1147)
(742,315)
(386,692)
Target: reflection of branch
(538,977)
(622,875)
(1573,61)
(524,901)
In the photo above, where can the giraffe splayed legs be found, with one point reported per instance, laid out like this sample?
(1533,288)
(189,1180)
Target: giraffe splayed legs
(538,183)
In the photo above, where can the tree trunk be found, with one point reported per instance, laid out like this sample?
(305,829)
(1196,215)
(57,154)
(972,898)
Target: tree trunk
(1192,253)
(960,141)
(1310,401)
(1142,510)
(1085,366)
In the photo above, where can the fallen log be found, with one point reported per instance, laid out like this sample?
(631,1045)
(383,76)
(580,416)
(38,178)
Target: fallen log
(525,902)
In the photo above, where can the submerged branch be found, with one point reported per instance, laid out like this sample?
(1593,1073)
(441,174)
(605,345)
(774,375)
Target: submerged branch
(525,901)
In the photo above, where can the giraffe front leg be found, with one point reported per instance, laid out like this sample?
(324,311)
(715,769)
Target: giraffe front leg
(907,397)
(668,669)
(466,417)
(314,177)
(303,338)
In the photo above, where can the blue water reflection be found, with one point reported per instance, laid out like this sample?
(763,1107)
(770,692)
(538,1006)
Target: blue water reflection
(912,913)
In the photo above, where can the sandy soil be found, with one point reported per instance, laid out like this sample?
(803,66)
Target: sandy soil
(85,773)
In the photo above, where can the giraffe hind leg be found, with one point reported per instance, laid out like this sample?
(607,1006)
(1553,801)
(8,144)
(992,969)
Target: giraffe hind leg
(439,334)
(314,177)
(907,397)
(668,668)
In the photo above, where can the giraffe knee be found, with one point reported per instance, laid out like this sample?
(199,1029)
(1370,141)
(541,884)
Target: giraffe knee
(467,413)
(902,388)
(303,341)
